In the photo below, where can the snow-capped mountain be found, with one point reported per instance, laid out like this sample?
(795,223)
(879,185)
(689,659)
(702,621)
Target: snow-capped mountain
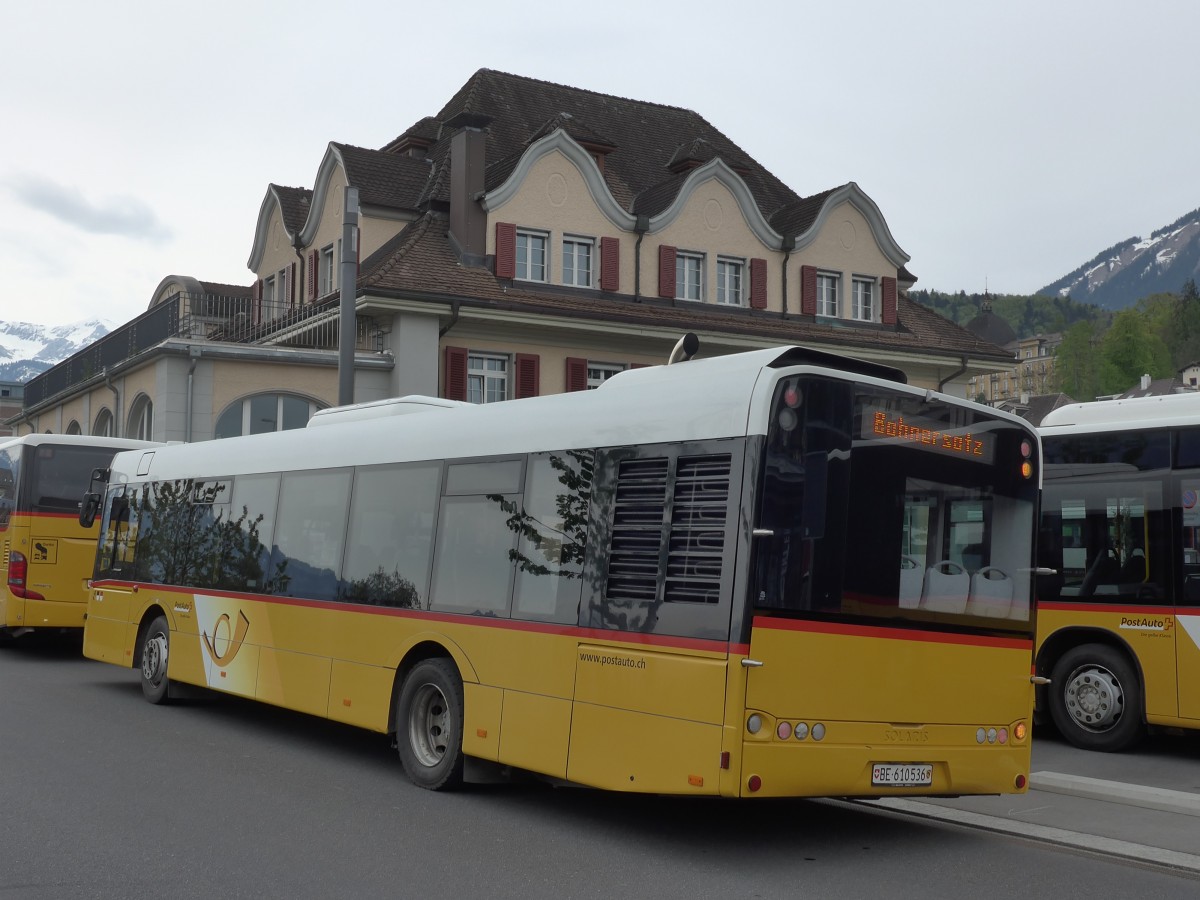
(27,350)
(1137,268)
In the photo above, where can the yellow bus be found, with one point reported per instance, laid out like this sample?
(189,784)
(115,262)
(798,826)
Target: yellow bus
(46,555)
(1119,619)
(774,573)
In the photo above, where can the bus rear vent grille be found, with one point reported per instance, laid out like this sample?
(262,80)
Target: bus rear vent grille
(697,542)
(637,534)
(697,499)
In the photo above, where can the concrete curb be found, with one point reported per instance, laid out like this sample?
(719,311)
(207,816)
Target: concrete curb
(1136,853)
(1180,802)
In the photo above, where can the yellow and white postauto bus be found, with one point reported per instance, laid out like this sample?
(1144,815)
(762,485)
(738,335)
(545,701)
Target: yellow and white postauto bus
(776,573)
(45,553)
(1119,621)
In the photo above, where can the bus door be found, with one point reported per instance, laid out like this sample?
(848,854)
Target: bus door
(109,610)
(1187,611)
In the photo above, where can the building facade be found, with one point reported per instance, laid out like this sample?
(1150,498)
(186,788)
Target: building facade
(529,238)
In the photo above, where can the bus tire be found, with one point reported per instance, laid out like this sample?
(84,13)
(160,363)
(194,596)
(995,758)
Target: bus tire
(429,725)
(156,643)
(1096,698)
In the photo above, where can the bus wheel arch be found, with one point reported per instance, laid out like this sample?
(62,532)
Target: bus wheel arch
(427,716)
(151,653)
(1096,696)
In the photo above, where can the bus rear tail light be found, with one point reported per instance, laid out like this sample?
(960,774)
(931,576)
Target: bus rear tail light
(18,575)
(1027,463)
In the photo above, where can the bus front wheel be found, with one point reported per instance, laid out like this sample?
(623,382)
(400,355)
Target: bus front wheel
(429,725)
(1096,698)
(156,643)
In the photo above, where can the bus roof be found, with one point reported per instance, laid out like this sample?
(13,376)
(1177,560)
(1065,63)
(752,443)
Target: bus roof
(702,399)
(1135,412)
(76,440)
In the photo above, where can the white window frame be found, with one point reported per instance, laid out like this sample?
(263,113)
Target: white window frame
(862,305)
(488,377)
(689,276)
(527,267)
(598,373)
(577,246)
(141,421)
(731,279)
(828,289)
(268,291)
(326,272)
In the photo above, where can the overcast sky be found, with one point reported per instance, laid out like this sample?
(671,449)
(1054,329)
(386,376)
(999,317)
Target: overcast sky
(1005,143)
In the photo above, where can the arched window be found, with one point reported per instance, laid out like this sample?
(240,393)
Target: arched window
(74,428)
(141,419)
(104,424)
(264,412)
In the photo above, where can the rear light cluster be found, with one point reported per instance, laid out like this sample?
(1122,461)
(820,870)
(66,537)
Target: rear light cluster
(18,575)
(801,731)
(1001,734)
(1027,461)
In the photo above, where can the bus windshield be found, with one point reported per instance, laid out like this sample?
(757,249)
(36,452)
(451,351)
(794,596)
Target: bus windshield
(929,531)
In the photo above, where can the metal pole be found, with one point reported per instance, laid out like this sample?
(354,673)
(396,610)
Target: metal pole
(349,281)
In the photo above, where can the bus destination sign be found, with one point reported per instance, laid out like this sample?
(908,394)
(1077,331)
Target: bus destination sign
(926,434)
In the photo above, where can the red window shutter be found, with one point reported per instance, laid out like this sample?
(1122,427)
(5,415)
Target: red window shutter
(256,309)
(576,374)
(292,285)
(758,284)
(455,380)
(312,275)
(506,250)
(666,271)
(808,290)
(528,375)
(889,301)
(610,264)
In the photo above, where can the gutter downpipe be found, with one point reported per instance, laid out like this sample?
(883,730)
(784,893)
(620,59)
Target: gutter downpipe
(789,244)
(194,352)
(953,375)
(640,228)
(118,413)
(453,319)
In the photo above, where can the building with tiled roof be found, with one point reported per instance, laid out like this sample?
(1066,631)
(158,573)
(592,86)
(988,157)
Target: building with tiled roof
(527,238)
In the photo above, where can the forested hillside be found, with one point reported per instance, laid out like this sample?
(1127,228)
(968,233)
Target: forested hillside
(1028,315)
(1101,352)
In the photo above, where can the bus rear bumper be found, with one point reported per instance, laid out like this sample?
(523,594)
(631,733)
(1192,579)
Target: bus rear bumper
(778,769)
(51,614)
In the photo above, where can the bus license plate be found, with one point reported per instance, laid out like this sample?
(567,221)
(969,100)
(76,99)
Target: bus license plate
(901,774)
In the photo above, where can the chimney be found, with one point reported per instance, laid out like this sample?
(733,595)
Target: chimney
(1145,382)
(468,221)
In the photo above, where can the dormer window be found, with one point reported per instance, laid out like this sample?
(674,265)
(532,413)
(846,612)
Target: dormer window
(827,294)
(862,307)
(531,255)
(577,261)
(729,281)
(689,275)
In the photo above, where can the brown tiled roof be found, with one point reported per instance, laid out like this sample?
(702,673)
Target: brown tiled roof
(385,179)
(578,131)
(796,218)
(420,264)
(646,136)
(294,204)
(425,132)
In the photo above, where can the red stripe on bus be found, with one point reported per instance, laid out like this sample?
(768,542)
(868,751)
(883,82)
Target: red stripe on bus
(591,634)
(894,634)
(1061,606)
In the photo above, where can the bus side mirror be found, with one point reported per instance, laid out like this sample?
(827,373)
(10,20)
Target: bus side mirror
(88,509)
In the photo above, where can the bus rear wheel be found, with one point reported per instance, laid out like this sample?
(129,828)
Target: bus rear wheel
(429,725)
(1096,698)
(156,643)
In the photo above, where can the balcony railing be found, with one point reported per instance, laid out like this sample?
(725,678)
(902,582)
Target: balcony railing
(204,317)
